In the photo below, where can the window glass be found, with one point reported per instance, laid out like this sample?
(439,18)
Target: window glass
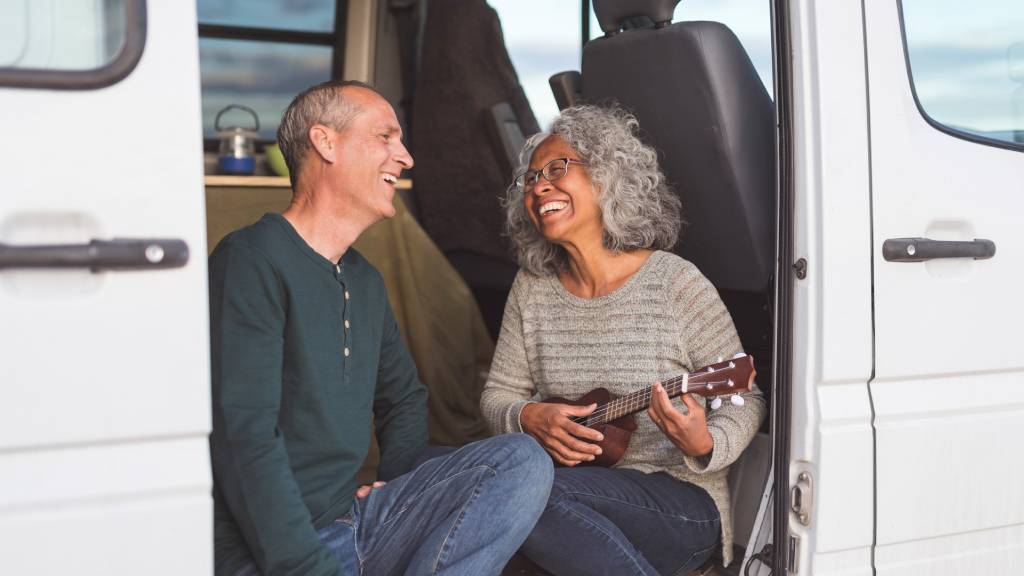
(543,38)
(307,15)
(264,76)
(967,63)
(750,20)
(61,34)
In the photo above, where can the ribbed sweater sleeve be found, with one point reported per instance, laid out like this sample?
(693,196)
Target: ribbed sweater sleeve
(709,336)
(509,384)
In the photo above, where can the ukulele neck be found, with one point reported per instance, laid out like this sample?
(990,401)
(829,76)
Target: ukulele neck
(728,377)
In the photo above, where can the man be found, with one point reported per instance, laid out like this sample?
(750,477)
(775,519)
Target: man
(306,353)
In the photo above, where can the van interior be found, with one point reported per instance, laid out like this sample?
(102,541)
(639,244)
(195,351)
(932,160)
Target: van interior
(444,64)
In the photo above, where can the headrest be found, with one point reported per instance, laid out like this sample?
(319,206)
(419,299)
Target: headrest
(612,13)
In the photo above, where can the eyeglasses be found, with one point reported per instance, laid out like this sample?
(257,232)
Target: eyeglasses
(551,171)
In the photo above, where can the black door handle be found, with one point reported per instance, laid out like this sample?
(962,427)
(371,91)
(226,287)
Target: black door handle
(921,249)
(99,255)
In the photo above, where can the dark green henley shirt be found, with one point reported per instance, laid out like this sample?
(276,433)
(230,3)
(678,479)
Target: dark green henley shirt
(306,354)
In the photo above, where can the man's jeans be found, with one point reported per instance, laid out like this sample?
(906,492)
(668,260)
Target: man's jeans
(463,513)
(623,522)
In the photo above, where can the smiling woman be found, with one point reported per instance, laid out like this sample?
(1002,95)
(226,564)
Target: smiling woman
(638,210)
(598,299)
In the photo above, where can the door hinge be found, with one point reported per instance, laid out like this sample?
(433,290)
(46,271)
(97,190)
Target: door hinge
(793,556)
(800,268)
(801,498)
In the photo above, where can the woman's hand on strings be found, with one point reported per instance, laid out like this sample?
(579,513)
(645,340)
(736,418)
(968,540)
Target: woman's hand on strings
(689,432)
(567,442)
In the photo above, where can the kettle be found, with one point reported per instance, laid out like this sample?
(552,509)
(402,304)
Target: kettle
(237,151)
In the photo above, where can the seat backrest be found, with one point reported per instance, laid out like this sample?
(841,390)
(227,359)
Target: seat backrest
(702,106)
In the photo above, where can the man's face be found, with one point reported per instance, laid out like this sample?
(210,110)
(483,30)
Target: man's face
(371,157)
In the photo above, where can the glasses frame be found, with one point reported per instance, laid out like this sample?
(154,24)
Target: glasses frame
(527,180)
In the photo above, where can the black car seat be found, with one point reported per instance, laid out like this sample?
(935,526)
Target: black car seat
(702,106)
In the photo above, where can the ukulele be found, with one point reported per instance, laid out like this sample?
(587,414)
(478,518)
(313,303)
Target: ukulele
(613,417)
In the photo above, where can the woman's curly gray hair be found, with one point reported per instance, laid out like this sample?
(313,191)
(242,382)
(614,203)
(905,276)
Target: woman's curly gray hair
(638,209)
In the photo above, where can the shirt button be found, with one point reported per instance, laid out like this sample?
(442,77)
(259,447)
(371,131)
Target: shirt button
(346,351)
(346,294)
(346,324)
(337,269)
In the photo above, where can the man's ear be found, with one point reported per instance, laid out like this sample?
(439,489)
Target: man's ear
(322,139)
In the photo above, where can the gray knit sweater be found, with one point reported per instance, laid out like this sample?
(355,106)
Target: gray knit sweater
(666,319)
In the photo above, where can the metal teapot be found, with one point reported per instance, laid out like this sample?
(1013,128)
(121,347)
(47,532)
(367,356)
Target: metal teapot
(237,151)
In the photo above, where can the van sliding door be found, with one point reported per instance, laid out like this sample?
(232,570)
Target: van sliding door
(104,376)
(946,81)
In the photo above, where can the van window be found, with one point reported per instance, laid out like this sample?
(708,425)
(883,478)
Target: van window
(56,44)
(260,53)
(967,66)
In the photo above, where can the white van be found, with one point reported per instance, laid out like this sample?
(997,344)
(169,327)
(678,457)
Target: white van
(893,253)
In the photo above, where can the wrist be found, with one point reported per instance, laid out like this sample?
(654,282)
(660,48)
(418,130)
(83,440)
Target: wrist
(702,447)
(525,413)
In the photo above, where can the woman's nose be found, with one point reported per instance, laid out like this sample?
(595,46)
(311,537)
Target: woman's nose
(542,186)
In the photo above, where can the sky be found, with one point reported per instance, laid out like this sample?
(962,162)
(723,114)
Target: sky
(967,60)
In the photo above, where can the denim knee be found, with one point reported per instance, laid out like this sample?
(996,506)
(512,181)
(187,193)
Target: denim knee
(528,459)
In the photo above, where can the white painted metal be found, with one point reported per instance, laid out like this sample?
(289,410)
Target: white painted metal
(105,377)
(832,436)
(949,386)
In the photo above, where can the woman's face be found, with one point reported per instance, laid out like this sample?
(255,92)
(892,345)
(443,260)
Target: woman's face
(566,210)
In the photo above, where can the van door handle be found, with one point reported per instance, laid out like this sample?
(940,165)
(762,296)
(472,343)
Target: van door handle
(98,255)
(921,249)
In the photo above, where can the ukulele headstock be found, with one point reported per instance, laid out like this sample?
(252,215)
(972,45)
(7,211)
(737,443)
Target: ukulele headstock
(726,377)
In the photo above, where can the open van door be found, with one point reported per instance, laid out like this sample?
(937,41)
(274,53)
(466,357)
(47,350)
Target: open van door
(948,194)
(824,485)
(104,413)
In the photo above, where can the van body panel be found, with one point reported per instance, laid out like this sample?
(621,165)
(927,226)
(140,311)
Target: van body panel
(831,412)
(949,378)
(106,375)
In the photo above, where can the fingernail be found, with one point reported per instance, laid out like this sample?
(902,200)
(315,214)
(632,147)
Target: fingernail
(599,451)
(600,438)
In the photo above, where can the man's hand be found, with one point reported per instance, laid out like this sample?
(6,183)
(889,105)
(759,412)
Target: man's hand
(550,424)
(689,432)
(364,491)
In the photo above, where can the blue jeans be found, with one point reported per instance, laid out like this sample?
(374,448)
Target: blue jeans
(620,522)
(462,513)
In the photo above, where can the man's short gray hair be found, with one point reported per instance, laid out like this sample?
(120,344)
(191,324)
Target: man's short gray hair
(320,104)
(638,209)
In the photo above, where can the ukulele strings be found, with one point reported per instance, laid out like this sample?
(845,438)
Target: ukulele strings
(635,401)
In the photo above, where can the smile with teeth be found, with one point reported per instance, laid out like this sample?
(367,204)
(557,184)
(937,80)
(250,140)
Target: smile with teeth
(552,207)
(390,178)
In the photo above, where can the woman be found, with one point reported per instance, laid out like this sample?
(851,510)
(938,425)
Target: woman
(599,303)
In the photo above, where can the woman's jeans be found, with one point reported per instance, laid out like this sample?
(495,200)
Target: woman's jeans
(621,522)
(462,513)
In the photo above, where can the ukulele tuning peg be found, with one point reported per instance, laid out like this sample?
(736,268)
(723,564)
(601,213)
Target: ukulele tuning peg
(736,400)
(716,403)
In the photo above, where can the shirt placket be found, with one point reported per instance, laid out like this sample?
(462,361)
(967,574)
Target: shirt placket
(346,340)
